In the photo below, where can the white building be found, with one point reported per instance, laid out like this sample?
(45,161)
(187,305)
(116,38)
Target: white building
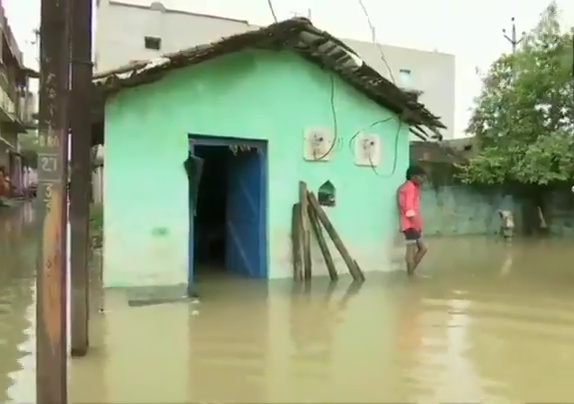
(127,32)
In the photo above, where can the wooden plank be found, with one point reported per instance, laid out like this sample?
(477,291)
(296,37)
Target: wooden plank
(305,235)
(296,242)
(354,268)
(316,227)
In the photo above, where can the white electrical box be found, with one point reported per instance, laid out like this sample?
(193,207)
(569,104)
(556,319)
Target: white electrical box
(367,150)
(318,144)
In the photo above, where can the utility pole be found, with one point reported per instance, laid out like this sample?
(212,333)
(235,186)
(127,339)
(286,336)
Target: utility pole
(513,39)
(308,15)
(81,126)
(51,321)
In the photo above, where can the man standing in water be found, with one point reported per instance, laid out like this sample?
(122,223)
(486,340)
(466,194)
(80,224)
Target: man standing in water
(408,196)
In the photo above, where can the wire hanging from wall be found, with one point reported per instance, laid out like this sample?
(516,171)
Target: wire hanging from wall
(334,116)
(384,59)
(395,160)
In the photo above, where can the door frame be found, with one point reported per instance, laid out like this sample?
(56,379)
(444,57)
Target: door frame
(261,146)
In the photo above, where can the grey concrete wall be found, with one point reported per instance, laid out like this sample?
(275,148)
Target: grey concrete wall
(458,210)
(462,210)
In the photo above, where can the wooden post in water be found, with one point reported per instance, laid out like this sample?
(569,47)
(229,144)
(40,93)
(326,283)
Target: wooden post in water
(354,269)
(81,125)
(296,242)
(316,226)
(51,330)
(305,235)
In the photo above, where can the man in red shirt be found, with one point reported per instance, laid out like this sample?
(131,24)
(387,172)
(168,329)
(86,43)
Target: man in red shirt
(408,196)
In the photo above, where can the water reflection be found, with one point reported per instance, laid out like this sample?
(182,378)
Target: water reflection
(316,311)
(464,334)
(17,290)
(490,322)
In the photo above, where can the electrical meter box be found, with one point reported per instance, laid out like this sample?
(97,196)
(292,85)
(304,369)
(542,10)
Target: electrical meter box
(318,144)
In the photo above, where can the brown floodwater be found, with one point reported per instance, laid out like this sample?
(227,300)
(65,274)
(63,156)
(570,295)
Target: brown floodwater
(485,322)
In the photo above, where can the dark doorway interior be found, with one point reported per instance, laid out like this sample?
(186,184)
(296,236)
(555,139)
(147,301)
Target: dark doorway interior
(209,224)
(228,195)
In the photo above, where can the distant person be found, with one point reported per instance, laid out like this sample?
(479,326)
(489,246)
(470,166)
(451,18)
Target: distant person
(408,196)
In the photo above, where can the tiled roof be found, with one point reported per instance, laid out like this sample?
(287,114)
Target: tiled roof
(302,37)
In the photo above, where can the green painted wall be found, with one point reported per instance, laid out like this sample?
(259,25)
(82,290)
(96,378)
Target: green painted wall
(258,95)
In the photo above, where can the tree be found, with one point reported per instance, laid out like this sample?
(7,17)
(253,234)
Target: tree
(524,118)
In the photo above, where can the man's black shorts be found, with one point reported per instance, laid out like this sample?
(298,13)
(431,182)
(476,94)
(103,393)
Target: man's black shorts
(412,235)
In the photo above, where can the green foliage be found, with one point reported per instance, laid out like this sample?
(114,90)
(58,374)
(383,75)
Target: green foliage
(524,118)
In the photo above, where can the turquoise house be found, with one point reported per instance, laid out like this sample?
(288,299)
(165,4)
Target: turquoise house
(256,109)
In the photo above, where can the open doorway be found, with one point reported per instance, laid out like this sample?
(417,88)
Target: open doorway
(228,208)
(210,219)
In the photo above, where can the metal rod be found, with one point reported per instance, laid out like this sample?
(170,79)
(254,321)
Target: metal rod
(80,119)
(51,330)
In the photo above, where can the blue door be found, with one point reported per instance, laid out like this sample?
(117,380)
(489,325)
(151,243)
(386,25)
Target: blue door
(246,225)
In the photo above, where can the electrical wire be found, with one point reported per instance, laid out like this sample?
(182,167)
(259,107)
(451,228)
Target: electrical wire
(375,42)
(334,109)
(334,116)
(384,59)
(272,9)
(395,160)
(371,126)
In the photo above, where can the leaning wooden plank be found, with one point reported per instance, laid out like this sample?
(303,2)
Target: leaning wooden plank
(323,245)
(354,268)
(305,235)
(296,242)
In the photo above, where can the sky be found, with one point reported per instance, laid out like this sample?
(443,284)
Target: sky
(469,29)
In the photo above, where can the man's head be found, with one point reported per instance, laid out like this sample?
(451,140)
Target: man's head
(416,174)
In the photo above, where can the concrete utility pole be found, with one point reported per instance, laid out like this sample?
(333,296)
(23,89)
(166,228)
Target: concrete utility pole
(513,39)
(81,125)
(51,347)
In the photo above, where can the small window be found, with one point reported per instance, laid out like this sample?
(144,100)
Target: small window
(152,42)
(405,76)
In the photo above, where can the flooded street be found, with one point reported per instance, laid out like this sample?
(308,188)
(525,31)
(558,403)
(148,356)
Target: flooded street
(487,322)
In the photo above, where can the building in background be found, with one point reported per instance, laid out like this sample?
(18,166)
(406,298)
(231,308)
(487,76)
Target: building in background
(127,32)
(17,103)
(428,76)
